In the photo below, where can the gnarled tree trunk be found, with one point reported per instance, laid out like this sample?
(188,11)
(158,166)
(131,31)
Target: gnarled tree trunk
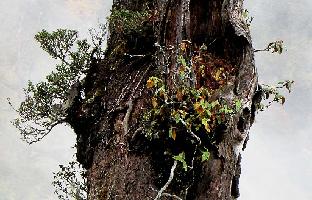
(121,162)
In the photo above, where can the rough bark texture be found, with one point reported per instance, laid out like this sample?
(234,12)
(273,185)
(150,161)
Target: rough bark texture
(121,163)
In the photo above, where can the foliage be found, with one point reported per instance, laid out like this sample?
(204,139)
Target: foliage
(181,158)
(205,155)
(46,102)
(274,47)
(70,182)
(127,21)
(272,94)
(269,93)
(189,107)
(246,17)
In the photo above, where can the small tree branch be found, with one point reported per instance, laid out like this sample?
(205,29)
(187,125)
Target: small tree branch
(140,129)
(259,50)
(160,192)
(134,55)
(191,132)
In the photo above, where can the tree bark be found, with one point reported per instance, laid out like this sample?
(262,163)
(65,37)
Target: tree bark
(121,163)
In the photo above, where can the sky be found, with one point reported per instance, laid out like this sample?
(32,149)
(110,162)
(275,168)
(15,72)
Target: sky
(277,163)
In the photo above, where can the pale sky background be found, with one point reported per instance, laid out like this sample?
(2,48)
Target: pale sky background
(277,164)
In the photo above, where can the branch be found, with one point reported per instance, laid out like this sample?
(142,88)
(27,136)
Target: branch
(191,132)
(134,55)
(43,133)
(259,50)
(160,192)
(136,132)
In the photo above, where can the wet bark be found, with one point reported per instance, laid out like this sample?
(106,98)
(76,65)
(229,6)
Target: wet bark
(121,162)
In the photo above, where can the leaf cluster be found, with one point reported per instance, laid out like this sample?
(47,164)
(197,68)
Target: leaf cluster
(189,108)
(274,47)
(272,94)
(248,19)
(46,102)
(186,111)
(70,182)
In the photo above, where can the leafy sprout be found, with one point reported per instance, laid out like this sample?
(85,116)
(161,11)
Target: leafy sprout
(246,17)
(274,47)
(272,94)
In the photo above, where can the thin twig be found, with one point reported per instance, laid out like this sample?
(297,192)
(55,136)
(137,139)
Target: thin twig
(191,132)
(136,132)
(259,50)
(134,56)
(160,192)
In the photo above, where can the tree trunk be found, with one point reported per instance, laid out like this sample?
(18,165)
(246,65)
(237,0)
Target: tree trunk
(123,164)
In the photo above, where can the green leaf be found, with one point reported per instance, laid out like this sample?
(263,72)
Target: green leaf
(238,105)
(208,113)
(205,155)
(225,110)
(204,121)
(182,60)
(214,103)
(181,158)
(203,103)
(177,117)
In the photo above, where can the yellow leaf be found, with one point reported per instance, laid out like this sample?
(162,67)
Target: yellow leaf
(207,127)
(174,134)
(183,46)
(217,75)
(154,102)
(196,105)
(205,122)
(198,108)
(150,83)
(182,69)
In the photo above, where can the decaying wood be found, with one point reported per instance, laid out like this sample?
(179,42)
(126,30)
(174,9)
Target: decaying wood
(108,131)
